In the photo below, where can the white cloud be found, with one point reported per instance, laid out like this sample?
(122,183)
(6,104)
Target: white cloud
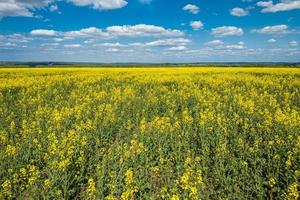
(283,5)
(137,44)
(25,8)
(264,3)
(191,8)
(8,44)
(58,39)
(15,38)
(239,12)
(235,46)
(112,45)
(196,25)
(227,31)
(100,4)
(277,29)
(86,32)
(53,8)
(178,48)
(219,45)
(43,32)
(134,31)
(62,39)
(169,42)
(142,30)
(214,43)
(13,41)
(50,44)
(293,43)
(164,42)
(112,50)
(72,45)
(272,40)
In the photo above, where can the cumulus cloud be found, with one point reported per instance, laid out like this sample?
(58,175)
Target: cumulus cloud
(50,44)
(227,31)
(25,8)
(43,32)
(239,12)
(174,44)
(100,4)
(15,38)
(112,45)
(112,50)
(214,43)
(53,8)
(178,48)
(86,32)
(265,3)
(58,39)
(219,44)
(277,29)
(14,41)
(235,46)
(283,5)
(164,43)
(272,40)
(72,45)
(196,25)
(142,30)
(7,44)
(293,43)
(191,8)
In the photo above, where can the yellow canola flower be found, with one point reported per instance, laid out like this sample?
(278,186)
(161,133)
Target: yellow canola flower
(110,197)
(272,182)
(175,197)
(91,189)
(129,177)
(6,186)
(10,151)
(293,192)
(130,188)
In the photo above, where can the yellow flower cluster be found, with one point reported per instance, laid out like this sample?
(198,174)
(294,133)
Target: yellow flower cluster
(192,180)
(130,188)
(91,189)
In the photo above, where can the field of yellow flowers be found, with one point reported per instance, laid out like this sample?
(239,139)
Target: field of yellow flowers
(150,133)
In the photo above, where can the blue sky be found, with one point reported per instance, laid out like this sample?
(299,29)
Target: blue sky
(150,31)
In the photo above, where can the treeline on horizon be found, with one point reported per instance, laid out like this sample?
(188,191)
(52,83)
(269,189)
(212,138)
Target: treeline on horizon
(147,65)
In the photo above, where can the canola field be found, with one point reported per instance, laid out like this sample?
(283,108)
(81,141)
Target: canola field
(150,133)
